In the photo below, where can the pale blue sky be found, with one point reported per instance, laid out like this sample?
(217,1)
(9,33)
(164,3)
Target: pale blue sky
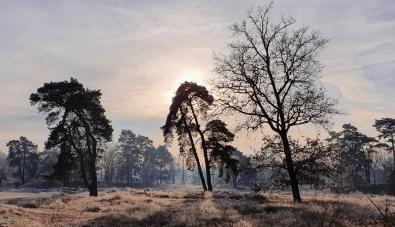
(137,51)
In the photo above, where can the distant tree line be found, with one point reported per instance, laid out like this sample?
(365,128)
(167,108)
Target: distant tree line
(134,159)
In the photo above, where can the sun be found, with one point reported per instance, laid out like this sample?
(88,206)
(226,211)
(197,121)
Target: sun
(187,75)
(190,76)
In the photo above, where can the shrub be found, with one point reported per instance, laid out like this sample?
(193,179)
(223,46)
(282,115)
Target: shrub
(93,209)
(30,205)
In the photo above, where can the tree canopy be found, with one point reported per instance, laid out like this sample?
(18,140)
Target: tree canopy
(386,128)
(23,154)
(78,127)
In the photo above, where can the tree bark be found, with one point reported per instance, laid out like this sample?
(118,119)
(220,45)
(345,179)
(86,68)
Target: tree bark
(291,169)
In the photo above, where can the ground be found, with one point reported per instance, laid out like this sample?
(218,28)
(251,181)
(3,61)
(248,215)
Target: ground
(191,207)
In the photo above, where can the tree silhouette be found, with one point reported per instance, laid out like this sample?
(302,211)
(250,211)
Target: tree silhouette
(355,151)
(271,77)
(220,152)
(164,162)
(190,100)
(78,126)
(23,154)
(133,157)
(386,128)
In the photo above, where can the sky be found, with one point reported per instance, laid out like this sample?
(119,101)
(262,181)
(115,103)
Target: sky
(137,52)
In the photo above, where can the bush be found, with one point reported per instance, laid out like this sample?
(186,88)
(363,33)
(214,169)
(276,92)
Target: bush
(258,187)
(93,209)
(256,197)
(30,205)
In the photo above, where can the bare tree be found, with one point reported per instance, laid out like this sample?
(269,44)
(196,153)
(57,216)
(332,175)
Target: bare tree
(271,76)
(108,162)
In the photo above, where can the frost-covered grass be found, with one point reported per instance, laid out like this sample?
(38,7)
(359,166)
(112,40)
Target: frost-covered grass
(191,207)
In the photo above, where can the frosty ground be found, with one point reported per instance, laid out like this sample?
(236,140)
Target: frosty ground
(189,206)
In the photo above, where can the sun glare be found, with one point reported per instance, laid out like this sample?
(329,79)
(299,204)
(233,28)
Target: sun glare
(190,76)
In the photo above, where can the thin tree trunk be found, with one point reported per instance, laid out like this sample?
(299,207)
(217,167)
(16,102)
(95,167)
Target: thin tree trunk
(23,168)
(204,147)
(393,150)
(234,178)
(367,173)
(195,153)
(374,175)
(128,167)
(291,169)
(183,171)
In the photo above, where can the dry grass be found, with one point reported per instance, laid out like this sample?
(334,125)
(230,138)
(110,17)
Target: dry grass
(185,207)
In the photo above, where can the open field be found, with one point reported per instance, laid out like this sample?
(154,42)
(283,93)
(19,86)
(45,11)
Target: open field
(180,207)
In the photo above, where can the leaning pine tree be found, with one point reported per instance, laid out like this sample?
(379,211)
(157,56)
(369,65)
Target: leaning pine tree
(271,76)
(182,119)
(77,124)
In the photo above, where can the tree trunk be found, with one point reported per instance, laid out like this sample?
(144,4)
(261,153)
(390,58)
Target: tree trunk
(291,169)
(23,168)
(393,150)
(199,168)
(208,174)
(128,167)
(194,153)
(93,186)
(234,179)
(356,181)
(374,176)
(204,147)
(183,171)
(367,173)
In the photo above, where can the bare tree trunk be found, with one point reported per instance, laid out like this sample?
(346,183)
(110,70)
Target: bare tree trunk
(128,166)
(291,169)
(234,179)
(367,173)
(23,168)
(374,176)
(195,154)
(208,174)
(93,186)
(204,147)
(393,150)
(183,170)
